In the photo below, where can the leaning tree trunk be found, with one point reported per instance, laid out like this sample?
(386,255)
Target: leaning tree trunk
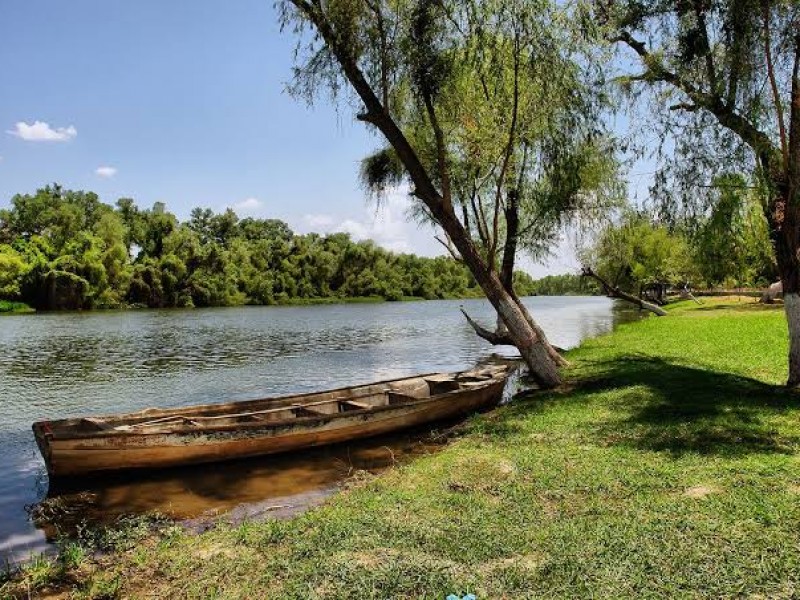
(510,247)
(787,246)
(501,336)
(522,330)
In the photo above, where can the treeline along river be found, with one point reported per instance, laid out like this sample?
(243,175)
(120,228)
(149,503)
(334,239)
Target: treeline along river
(57,365)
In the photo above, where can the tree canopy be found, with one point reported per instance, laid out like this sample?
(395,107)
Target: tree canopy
(727,246)
(64,249)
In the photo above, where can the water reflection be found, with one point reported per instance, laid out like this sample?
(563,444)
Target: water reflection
(59,365)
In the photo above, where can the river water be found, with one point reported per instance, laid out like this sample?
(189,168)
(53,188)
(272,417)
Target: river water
(77,364)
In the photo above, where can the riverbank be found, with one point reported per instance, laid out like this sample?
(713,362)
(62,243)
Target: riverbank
(667,466)
(8,307)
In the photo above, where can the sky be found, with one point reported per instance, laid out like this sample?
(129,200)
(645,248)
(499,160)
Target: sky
(185,103)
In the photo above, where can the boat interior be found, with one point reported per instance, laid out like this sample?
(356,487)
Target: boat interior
(276,410)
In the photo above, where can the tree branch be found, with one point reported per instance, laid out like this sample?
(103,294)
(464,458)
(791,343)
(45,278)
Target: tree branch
(615,292)
(480,222)
(699,12)
(793,169)
(774,85)
(760,142)
(377,112)
(507,155)
(449,247)
(687,106)
(376,9)
(441,150)
(492,337)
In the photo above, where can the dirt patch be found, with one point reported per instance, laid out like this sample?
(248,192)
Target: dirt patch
(524,562)
(484,475)
(214,550)
(701,491)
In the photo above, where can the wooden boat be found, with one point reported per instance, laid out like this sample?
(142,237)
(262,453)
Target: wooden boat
(156,438)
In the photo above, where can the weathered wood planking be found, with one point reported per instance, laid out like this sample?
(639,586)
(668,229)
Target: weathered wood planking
(169,437)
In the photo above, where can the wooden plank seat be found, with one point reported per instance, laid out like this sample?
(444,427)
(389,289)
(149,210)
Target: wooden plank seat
(93,423)
(309,411)
(441,385)
(477,377)
(348,405)
(399,397)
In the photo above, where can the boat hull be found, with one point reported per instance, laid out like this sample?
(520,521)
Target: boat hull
(84,455)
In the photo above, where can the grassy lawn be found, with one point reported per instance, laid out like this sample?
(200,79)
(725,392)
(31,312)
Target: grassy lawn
(667,467)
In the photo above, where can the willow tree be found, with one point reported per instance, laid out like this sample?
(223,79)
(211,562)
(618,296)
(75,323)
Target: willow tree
(557,177)
(729,72)
(446,84)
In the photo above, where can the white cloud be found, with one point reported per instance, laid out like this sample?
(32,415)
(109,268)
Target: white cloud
(39,131)
(319,223)
(248,206)
(106,172)
(358,230)
(390,227)
(387,226)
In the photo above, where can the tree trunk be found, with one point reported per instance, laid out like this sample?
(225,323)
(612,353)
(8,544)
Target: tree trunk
(788,224)
(787,245)
(509,250)
(501,337)
(615,292)
(528,339)
(791,303)
(555,356)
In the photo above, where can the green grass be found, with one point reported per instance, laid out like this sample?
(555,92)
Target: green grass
(666,467)
(7,306)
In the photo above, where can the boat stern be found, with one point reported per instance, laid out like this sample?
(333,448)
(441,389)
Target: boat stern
(43,434)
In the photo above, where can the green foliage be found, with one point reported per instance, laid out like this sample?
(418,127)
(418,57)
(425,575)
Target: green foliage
(495,100)
(719,76)
(568,284)
(13,268)
(637,252)
(67,250)
(7,306)
(728,245)
(732,245)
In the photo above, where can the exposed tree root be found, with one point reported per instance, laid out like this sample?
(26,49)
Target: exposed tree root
(501,338)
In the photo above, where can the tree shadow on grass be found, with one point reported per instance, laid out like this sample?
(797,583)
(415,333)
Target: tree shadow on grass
(665,406)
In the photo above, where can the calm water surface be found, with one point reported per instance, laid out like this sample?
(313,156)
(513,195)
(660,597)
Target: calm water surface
(60,365)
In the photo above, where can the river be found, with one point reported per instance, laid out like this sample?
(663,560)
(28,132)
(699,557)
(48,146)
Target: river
(69,364)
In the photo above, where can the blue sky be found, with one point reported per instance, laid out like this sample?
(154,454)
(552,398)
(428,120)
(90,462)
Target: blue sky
(183,103)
